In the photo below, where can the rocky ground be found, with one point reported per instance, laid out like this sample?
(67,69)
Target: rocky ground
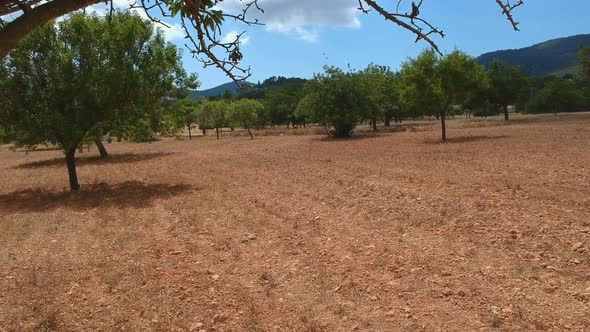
(389,232)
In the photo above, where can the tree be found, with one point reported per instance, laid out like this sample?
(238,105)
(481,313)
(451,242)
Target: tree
(216,112)
(203,116)
(584,74)
(187,114)
(584,69)
(374,79)
(558,96)
(281,102)
(507,85)
(433,85)
(336,99)
(461,77)
(70,81)
(245,112)
(421,90)
(202,23)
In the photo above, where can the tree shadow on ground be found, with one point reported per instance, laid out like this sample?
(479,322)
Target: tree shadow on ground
(129,194)
(96,160)
(464,139)
(354,137)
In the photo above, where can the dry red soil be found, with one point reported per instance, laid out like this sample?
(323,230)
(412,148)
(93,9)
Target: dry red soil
(393,232)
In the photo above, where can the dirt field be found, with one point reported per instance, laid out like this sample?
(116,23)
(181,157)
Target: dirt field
(394,232)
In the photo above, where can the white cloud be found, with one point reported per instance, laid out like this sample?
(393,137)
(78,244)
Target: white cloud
(301,18)
(231,36)
(172,32)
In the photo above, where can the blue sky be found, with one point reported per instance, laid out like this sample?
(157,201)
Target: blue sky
(301,36)
(474,26)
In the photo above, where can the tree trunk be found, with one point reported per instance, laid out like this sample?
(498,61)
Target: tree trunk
(17,29)
(217,132)
(71,163)
(190,134)
(101,149)
(387,121)
(249,132)
(506,112)
(204,132)
(374,124)
(444,127)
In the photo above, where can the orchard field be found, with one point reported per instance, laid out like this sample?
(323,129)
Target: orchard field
(383,232)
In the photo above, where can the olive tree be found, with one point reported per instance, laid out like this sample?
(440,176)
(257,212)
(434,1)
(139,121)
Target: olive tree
(187,114)
(507,85)
(71,80)
(336,99)
(557,96)
(245,113)
(434,84)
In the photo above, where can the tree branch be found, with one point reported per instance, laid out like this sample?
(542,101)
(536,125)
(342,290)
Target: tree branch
(15,30)
(507,9)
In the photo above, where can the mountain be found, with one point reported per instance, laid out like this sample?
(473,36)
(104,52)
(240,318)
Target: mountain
(250,90)
(218,90)
(554,57)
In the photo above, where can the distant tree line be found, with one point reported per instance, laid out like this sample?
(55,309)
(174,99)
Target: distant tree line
(429,85)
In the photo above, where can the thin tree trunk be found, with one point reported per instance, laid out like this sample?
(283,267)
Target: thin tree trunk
(374,124)
(101,149)
(506,112)
(387,121)
(71,163)
(217,132)
(249,132)
(444,127)
(204,132)
(190,134)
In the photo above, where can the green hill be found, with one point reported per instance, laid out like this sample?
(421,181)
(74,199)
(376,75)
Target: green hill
(219,90)
(250,90)
(553,57)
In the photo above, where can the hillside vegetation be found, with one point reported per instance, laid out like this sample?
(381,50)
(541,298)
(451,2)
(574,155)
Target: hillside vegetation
(553,57)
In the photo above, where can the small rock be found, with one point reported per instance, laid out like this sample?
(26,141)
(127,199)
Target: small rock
(390,313)
(196,326)
(220,318)
(577,246)
(447,292)
(251,237)
(215,277)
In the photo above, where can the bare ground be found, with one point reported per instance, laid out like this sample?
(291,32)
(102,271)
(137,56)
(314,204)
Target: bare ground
(393,232)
